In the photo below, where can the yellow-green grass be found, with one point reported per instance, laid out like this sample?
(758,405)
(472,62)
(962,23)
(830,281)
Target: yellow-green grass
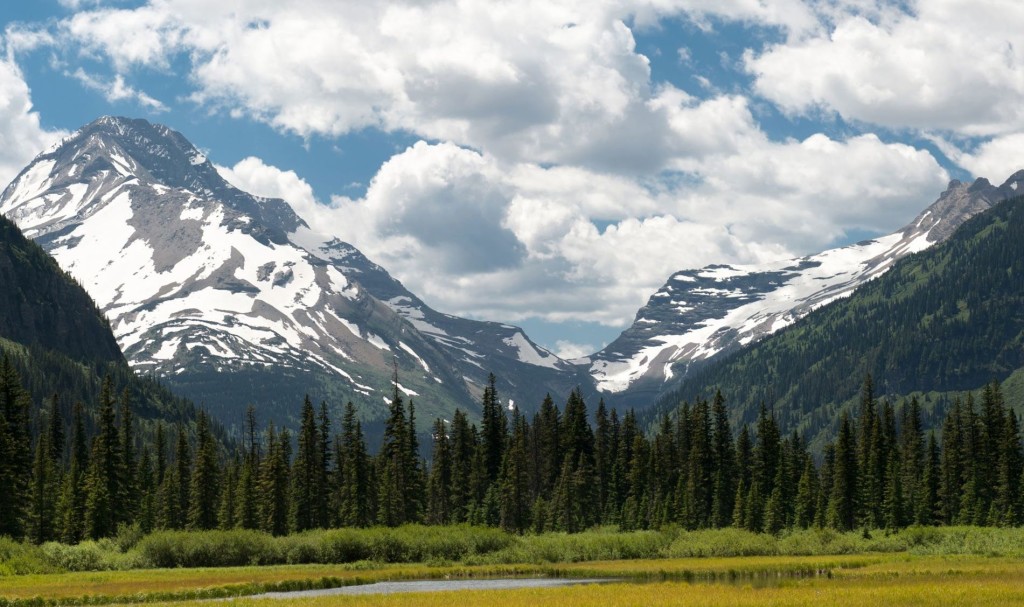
(919,581)
(977,592)
(174,584)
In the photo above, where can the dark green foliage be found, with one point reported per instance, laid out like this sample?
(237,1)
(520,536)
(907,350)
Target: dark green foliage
(15,452)
(946,319)
(514,479)
(274,489)
(842,507)
(306,473)
(71,508)
(106,474)
(41,305)
(355,491)
(204,496)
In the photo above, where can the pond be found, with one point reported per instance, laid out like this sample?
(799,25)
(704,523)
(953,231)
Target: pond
(435,586)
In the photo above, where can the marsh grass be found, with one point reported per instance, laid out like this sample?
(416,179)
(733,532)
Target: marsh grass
(467,545)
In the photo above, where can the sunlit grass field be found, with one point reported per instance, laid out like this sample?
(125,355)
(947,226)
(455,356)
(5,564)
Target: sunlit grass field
(875,580)
(920,566)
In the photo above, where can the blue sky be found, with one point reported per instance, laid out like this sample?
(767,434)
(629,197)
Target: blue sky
(547,164)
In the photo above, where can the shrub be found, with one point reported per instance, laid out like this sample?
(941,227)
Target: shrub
(209,548)
(18,558)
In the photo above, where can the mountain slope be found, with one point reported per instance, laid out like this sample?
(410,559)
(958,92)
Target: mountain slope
(233,299)
(60,343)
(41,305)
(949,318)
(699,315)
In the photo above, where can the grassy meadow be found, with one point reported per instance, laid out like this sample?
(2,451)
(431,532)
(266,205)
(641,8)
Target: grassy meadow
(948,566)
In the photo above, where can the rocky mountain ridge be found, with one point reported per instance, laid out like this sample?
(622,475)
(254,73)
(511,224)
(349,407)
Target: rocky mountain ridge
(701,314)
(233,299)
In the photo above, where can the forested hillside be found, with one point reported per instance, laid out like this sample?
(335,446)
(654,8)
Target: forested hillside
(950,318)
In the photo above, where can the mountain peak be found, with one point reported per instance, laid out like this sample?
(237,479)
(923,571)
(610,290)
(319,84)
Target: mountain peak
(701,314)
(145,160)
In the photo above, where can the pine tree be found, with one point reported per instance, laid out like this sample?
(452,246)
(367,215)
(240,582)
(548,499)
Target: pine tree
(393,464)
(104,480)
(744,467)
(826,479)
(416,494)
(247,515)
(463,451)
(439,485)
(842,507)
(306,472)
(603,454)
(128,492)
(147,492)
(912,457)
(723,490)
(927,508)
(952,465)
(494,429)
(765,463)
(205,489)
(514,480)
(893,507)
(324,517)
(806,496)
(274,481)
(15,452)
(699,478)
(183,476)
(871,459)
(228,505)
(71,509)
(548,427)
(1006,505)
(355,501)
(46,470)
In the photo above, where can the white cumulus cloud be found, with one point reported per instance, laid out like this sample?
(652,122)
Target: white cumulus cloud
(21,135)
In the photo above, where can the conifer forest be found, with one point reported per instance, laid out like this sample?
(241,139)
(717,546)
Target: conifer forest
(564,469)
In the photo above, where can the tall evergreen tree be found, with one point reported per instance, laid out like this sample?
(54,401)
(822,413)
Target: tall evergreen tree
(274,481)
(128,492)
(15,452)
(393,465)
(147,492)
(73,493)
(324,516)
(494,429)
(842,507)
(439,485)
(723,490)
(355,495)
(104,480)
(227,508)
(806,496)
(46,472)
(247,515)
(514,480)
(205,479)
(306,472)
(463,451)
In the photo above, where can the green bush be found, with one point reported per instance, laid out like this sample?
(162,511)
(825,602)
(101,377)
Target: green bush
(722,542)
(100,555)
(599,544)
(209,548)
(17,558)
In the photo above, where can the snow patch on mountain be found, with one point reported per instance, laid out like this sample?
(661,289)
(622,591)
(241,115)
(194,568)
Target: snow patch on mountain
(700,314)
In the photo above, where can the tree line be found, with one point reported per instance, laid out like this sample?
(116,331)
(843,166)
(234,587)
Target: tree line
(561,470)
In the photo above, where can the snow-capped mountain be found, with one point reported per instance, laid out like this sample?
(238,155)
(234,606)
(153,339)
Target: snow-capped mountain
(700,314)
(233,299)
